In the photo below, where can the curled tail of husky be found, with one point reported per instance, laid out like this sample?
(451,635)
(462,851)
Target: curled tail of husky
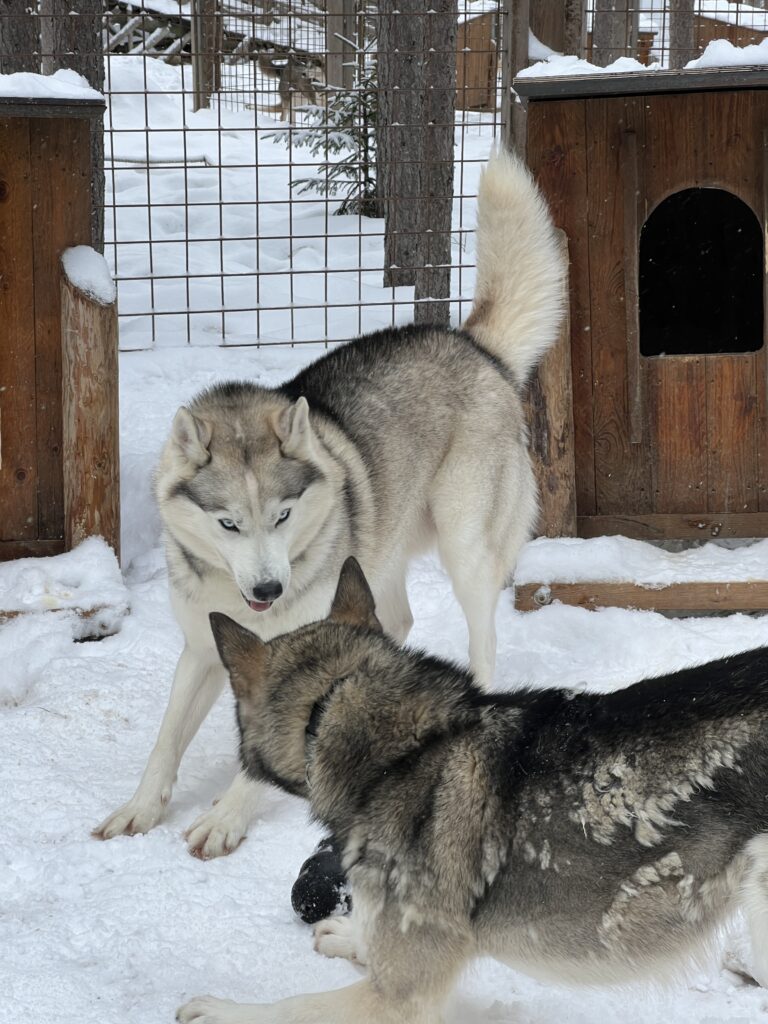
(520,294)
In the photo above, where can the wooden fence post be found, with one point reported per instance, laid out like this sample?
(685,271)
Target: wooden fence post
(206,51)
(90,413)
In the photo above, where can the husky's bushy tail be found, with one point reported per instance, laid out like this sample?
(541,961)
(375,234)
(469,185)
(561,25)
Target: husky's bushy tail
(520,294)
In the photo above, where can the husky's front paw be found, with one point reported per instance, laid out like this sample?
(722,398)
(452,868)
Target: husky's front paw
(217,832)
(335,937)
(209,1010)
(140,814)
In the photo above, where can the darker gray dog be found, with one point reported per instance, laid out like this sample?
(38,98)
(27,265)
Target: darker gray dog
(580,838)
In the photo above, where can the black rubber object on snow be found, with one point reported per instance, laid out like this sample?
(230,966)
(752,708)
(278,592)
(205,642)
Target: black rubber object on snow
(321,888)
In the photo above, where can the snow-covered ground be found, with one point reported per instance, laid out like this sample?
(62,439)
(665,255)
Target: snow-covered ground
(122,932)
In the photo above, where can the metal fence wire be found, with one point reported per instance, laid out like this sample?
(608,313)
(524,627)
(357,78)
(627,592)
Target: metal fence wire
(282,171)
(243,202)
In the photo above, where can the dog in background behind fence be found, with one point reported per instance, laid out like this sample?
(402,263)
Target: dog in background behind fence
(300,80)
(580,838)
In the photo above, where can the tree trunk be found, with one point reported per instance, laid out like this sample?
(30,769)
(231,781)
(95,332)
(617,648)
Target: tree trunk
(682,33)
(207,44)
(19,44)
(340,29)
(71,37)
(575,29)
(402,83)
(614,31)
(513,119)
(433,278)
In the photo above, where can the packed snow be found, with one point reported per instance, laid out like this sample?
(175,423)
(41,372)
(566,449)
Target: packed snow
(617,559)
(718,54)
(122,932)
(722,54)
(563,66)
(61,85)
(89,271)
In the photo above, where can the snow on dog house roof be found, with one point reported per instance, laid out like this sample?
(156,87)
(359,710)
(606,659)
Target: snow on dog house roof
(659,180)
(63,94)
(722,66)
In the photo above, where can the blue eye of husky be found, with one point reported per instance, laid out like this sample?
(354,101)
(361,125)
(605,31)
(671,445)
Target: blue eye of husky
(229,525)
(283,516)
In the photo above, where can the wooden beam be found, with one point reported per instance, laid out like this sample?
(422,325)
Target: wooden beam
(641,82)
(688,597)
(29,549)
(676,526)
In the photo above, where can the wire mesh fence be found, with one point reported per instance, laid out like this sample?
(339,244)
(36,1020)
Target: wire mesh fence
(301,170)
(244,200)
(668,33)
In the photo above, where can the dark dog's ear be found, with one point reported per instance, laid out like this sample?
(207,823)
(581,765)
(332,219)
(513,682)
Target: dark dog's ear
(354,604)
(243,654)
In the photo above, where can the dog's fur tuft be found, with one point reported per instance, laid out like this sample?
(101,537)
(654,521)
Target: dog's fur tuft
(520,295)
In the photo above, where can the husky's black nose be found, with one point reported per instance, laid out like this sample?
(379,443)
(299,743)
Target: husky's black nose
(269,591)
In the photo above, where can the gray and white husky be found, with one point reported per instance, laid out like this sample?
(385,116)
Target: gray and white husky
(381,448)
(579,838)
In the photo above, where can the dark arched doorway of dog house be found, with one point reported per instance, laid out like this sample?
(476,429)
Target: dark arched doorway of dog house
(701,276)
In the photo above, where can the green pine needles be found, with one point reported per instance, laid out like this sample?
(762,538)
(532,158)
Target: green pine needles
(342,134)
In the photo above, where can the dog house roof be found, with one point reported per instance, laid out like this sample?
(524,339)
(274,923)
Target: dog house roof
(50,106)
(634,83)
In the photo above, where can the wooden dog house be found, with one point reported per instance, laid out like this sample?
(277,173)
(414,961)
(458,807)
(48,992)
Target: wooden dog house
(58,351)
(651,420)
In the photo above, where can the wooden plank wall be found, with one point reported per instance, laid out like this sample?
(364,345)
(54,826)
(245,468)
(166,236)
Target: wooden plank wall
(476,60)
(556,153)
(44,207)
(18,441)
(60,156)
(622,470)
(708,414)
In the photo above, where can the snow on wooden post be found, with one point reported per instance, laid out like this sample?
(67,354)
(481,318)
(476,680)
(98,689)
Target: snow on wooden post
(90,398)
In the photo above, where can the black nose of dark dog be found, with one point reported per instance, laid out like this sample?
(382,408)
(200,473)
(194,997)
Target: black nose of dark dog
(269,591)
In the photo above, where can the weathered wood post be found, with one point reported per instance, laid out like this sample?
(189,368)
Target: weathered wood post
(90,399)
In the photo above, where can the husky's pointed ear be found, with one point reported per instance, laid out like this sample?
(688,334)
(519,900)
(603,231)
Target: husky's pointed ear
(293,428)
(354,604)
(243,654)
(192,435)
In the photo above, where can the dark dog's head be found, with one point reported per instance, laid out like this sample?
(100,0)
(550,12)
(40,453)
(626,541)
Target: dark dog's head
(281,686)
